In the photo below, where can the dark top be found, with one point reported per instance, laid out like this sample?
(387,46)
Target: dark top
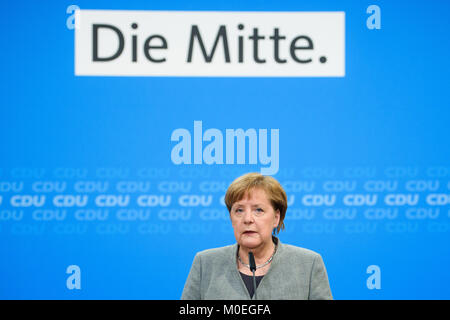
(248,280)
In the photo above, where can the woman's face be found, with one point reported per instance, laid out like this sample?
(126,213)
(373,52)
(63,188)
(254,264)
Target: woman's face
(253,219)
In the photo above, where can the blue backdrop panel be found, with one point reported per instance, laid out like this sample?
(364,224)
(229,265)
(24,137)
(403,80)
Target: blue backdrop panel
(86,176)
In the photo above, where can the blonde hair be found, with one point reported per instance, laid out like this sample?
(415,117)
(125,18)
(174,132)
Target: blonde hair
(273,189)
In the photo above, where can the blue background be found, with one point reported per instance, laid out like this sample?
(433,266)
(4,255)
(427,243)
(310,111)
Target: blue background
(390,110)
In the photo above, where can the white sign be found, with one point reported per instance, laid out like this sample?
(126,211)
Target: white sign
(202,43)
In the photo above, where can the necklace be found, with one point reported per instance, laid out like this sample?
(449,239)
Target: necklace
(260,266)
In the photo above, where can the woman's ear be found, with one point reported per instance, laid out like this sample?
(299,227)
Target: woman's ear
(277,218)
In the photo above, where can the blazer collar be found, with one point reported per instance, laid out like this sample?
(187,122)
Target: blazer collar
(235,272)
(276,257)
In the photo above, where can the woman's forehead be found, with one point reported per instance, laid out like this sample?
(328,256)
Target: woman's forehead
(254,195)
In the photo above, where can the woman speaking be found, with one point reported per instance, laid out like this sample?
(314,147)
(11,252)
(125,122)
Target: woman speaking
(258,266)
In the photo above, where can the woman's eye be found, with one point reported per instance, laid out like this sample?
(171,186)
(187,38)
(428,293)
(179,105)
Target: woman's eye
(259,210)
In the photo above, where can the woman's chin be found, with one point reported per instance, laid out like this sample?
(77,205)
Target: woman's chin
(250,242)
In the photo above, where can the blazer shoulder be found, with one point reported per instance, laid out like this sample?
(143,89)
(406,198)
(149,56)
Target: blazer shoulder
(216,255)
(300,253)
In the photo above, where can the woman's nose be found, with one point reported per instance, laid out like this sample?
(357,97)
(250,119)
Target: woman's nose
(248,217)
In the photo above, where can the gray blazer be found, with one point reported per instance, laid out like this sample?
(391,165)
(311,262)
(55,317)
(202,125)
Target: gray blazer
(295,274)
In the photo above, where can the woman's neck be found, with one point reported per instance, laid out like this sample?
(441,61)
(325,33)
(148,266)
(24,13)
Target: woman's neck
(261,253)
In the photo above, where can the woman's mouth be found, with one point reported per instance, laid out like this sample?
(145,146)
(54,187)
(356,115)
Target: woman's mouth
(249,233)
